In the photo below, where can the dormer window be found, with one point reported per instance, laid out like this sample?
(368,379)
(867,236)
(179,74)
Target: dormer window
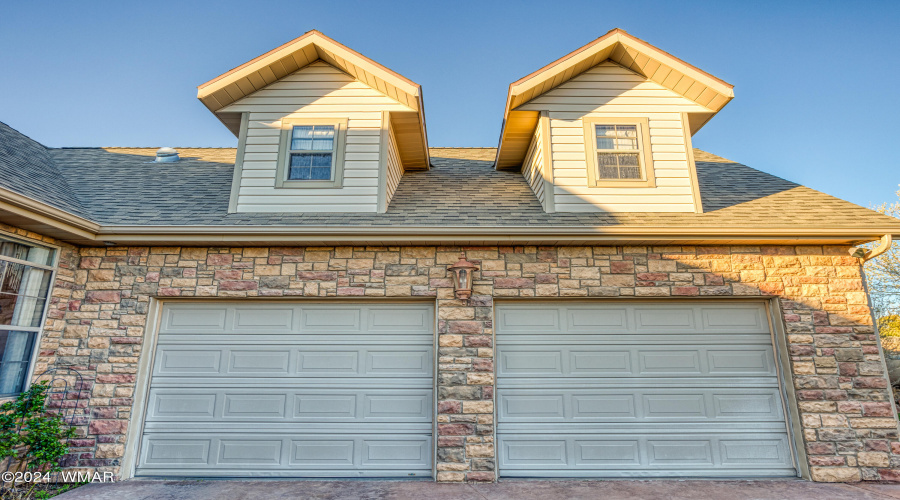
(311,153)
(618,152)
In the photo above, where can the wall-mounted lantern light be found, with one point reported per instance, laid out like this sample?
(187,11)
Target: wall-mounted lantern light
(462,277)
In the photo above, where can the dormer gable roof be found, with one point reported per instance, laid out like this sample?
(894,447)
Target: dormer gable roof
(624,49)
(313,46)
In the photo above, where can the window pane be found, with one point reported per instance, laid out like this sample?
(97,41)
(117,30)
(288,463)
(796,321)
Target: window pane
(37,254)
(606,130)
(323,131)
(302,132)
(606,159)
(24,280)
(320,159)
(606,143)
(20,310)
(323,144)
(320,173)
(14,250)
(626,131)
(606,166)
(312,138)
(618,166)
(11,276)
(310,166)
(300,160)
(321,163)
(301,137)
(15,354)
(628,160)
(608,173)
(629,173)
(612,137)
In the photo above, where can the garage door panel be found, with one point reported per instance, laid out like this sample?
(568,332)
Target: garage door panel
(537,319)
(617,319)
(292,318)
(258,361)
(322,405)
(657,359)
(188,361)
(286,455)
(724,318)
(331,319)
(589,319)
(400,320)
(616,455)
(291,390)
(639,389)
(666,382)
(667,319)
(195,319)
(268,319)
(723,404)
(288,361)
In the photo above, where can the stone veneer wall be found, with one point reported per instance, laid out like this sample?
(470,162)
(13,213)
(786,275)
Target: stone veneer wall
(101,298)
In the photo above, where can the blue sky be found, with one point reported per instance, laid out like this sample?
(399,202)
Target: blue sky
(816,97)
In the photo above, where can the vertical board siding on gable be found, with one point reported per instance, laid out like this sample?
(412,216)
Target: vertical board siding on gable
(315,91)
(613,91)
(534,161)
(394,168)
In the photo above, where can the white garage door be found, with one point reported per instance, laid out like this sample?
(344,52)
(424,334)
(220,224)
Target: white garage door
(290,389)
(638,389)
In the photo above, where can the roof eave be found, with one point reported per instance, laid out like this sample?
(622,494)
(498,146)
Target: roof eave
(281,235)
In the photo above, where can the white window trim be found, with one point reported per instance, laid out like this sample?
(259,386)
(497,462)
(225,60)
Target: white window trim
(645,156)
(337,156)
(35,352)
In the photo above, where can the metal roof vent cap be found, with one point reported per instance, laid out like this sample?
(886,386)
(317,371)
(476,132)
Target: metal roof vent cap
(166,155)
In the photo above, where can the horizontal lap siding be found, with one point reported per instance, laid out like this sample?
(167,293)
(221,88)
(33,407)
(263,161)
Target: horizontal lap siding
(612,91)
(394,169)
(533,164)
(315,91)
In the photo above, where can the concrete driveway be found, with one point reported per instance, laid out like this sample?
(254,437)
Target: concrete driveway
(511,490)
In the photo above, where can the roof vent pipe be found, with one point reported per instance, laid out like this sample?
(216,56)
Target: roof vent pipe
(166,155)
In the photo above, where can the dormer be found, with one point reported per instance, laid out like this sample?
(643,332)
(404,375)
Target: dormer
(320,127)
(607,128)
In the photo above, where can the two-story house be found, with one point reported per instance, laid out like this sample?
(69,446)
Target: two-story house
(334,298)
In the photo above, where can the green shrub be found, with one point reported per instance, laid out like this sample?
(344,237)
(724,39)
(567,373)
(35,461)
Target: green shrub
(31,437)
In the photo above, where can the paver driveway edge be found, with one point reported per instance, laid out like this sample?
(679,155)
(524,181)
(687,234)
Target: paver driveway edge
(504,490)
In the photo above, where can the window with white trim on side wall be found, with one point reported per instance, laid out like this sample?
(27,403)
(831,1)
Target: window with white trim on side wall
(26,276)
(311,153)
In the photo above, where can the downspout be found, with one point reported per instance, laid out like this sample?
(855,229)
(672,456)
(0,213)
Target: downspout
(866,255)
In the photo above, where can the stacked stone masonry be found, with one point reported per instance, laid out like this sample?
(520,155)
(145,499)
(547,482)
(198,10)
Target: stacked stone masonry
(101,299)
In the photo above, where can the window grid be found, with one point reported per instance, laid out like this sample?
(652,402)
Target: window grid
(311,152)
(618,152)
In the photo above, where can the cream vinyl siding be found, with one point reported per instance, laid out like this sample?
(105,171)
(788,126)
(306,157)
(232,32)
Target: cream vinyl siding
(394,168)
(531,169)
(609,90)
(316,91)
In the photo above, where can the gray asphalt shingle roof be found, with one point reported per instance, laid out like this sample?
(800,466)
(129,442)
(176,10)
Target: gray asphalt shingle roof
(27,168)
(122,186)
